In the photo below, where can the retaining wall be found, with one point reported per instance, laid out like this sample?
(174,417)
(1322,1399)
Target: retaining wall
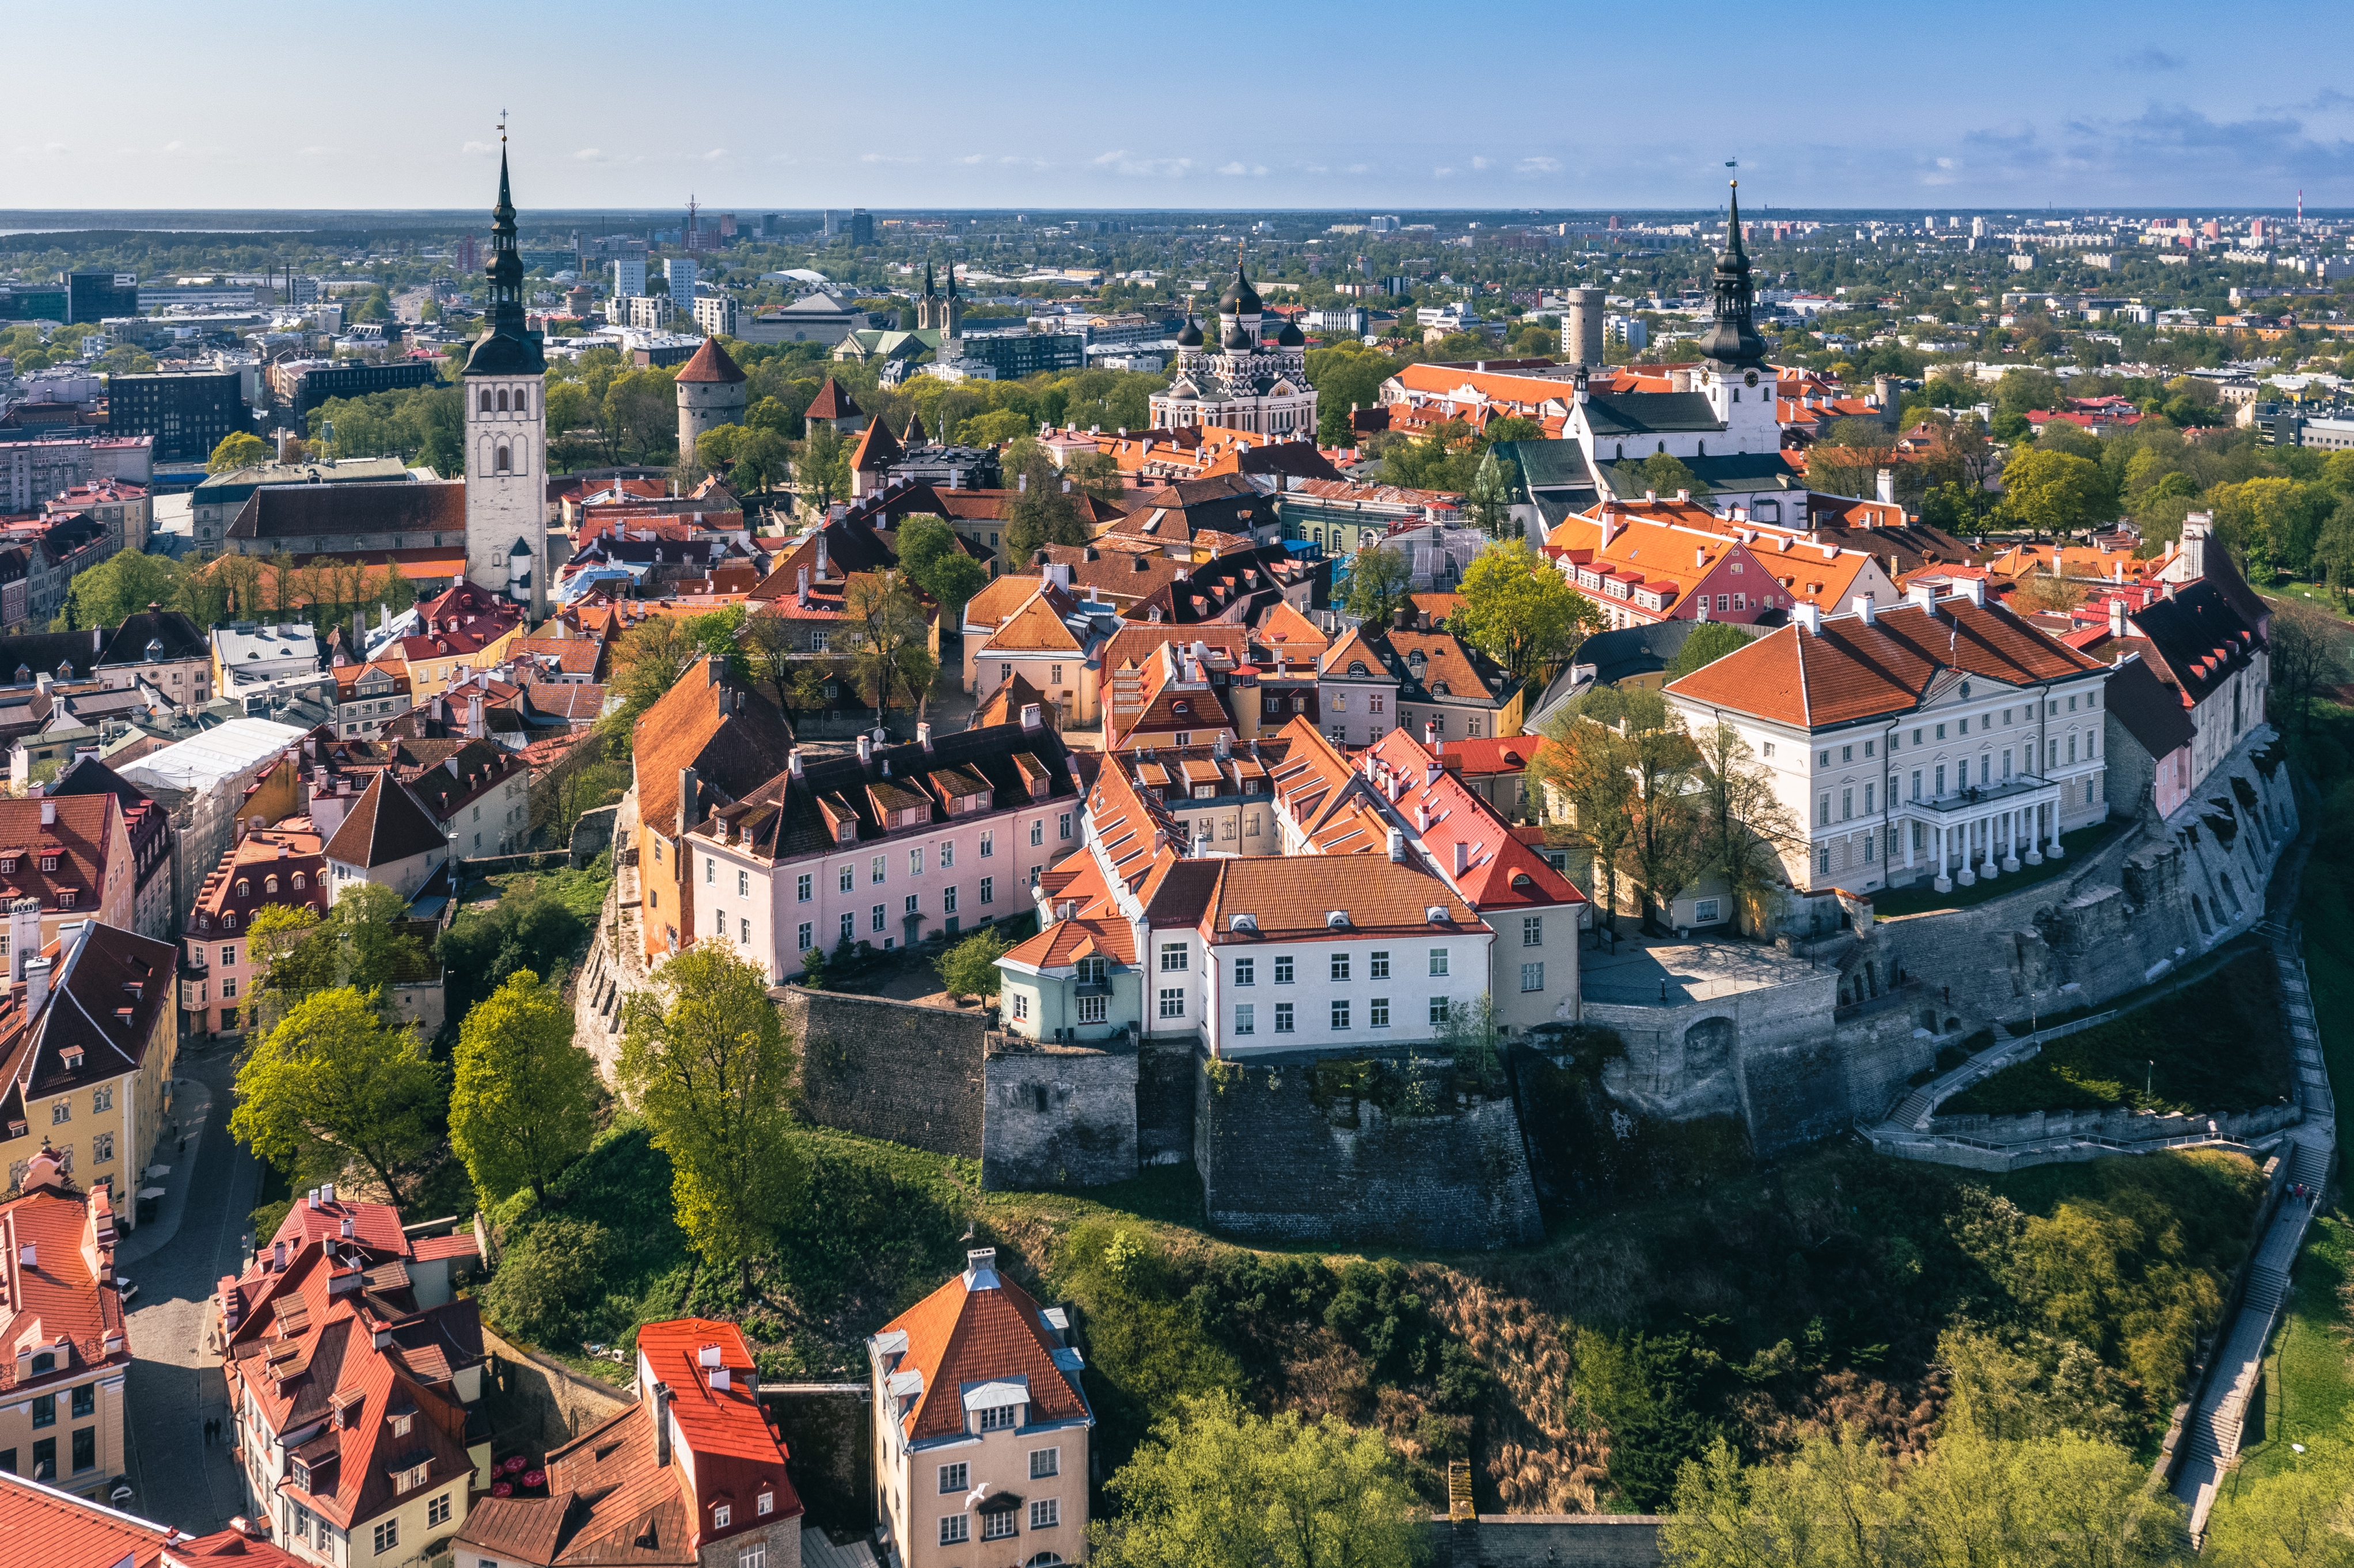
(1277,1164)
(546,1403)
(1546,1541)
(829,1450)
(889,1069)
(1057,1116)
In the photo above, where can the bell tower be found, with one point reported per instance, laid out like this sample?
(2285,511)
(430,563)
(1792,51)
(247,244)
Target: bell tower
(505,386)
(1733,376)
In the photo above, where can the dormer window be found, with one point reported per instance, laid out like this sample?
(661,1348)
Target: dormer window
(402,1423)
(268,885)
(847,833)
(765,1504)
(244,887)
(298,881)
(720,1514)
(65,897)
(9,863)
(999,1417)
(48,862)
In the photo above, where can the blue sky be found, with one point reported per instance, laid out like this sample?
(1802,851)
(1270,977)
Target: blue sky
(1375,106)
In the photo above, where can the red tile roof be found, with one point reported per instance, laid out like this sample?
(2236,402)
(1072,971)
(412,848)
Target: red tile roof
(55,1530)
(711,363)
(978,1328)
(64,1299)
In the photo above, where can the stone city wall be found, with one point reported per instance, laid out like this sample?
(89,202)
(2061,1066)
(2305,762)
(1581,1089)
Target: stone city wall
(1546,1541)
(1281,1157)
(888,1069)
(1057,1116)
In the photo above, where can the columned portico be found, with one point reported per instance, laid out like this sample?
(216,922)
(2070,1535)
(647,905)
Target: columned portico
(1982,832)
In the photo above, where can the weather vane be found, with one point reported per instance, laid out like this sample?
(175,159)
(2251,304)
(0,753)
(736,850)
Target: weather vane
(503,126)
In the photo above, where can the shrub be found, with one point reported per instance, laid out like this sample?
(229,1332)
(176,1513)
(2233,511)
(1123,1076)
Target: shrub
(549,1279)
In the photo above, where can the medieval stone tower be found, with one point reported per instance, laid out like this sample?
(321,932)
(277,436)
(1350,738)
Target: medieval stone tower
(506,429)
(711,392)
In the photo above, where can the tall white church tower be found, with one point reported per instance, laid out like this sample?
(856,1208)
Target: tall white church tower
(506,385)
(1740,386)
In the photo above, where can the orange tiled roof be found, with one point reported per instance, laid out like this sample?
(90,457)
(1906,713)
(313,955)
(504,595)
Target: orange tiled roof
(978,1328)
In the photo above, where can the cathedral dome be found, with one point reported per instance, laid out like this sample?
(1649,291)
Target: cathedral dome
(1290,336)
(1239,337)
(1240,298)
(1191,335)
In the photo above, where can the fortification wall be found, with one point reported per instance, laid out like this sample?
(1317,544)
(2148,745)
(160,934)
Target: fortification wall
(1057,1116)
(889,1069)
(1166,1071)
(1280,1160)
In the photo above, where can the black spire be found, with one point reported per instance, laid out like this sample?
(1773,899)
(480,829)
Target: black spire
(1733,339)
(927,280)
(506,347)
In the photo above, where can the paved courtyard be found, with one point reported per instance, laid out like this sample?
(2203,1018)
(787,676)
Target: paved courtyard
(177,1260)
(1671,971)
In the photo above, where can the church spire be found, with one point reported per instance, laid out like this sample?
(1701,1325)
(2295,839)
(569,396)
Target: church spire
(1732,339)
(507,346)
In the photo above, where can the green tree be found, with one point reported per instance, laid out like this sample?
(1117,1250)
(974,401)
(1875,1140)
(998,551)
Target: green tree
(2306,661)
(2054,493)
(1664,473)
(1345,376)
(2272,523)
(334,1083)
(2299,1517)
(122,585)
(821,468)
(892,657)
(363,944)
(1219,1487)
(935,560)
(647,662)
(1708,641)
(1490,498)
(524,1104)
(530,930)
(1582,766)
(237,450)
(970,968)
(1380,581)
(2333,551)
(1520,611)
(705,1060)
(548,1278)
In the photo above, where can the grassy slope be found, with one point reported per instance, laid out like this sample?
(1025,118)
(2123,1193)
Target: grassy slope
(2219,1044)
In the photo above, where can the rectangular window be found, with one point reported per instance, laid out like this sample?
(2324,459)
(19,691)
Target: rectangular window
(438,1511)
(916,863)
(85,1449)
(1063,825)
(1045,1462)
(1823,860)
(1532,930)
(719,922)
(756,1553)
(1021,1005)
(988,890)
(1092,1008)
(878,868)
(44,1410)
(710,866)
(911,907)
(955,1478)
(1438,1009)
(1246,971)
(1704,912)
(878,916)
(948,900)
(999,1417)
(849,926)
(955,1528)
(802,890)
(1245,1018)
(1283,1018)
(1339,966)
(228,957)
(1173,1002)
(848,878)
(1823,809)
(999,1526)
(1172,958)
(1871,845)
(1046,1513)
(1283,968)
(1340,1015)
(101,1149)
(1438,960)
(386,1536)
(1941,780)
(1532,977)
(1377,1013)
(989,843)
(803,935)
(1869,791)
(45,1459)
(948,855)
(1917,783)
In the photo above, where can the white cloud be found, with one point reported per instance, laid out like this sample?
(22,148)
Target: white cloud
(1537,164)
(974,158)
(1122,163)
(714,155)
(1357,169)
(590,155)
(478,149)
(1479,162)
(1241,168)
(1442,174)
(885,158)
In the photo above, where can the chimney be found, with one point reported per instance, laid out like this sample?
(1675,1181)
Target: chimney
(661,1423)
(820,555)
(1032,717)
(1808,615)
(278,1257)
(1609,526)
(1884,487)
(2116,618)
(37,984)
(924,737)
(1700,557)
(311,1198)
(326,1192)
(865,747)
(49,813)
(793,761)
(1974,589)
(1397,847)
(804,588)
(475,715)
(689,785)
(1921,594)
(1201,841)
(1462,857)
(347,1227)
(1430,734)
(1865,608)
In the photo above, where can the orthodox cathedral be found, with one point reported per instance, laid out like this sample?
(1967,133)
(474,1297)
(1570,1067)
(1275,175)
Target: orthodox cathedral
(505,384)
(1255,379)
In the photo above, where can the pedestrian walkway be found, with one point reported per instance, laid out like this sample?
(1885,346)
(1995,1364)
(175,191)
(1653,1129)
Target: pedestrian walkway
(175,1163)
(2210,1439)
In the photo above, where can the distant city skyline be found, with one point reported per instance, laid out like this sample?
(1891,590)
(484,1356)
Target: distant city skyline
(1380,107)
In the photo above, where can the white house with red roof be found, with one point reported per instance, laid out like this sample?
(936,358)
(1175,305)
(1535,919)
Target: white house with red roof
(981,1428)
(355,1376)
(691,1476)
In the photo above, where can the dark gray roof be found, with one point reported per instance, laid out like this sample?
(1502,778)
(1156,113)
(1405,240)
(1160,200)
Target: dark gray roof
(1739,472)
(297,512)
(1546,465)
(2199,635)
(2150,710)
(1615,656)
(1650,413)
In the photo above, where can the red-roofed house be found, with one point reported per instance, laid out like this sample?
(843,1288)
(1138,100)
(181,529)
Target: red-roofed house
(354,1374)
(691,1475)
(61,1388)
(980,1427)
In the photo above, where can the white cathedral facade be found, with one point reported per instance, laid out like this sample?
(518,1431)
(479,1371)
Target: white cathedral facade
(1253,379)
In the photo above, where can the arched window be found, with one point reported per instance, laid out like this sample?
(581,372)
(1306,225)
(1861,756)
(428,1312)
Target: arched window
(506,459)
(244,888)
(486,399)
(502,399)
(268,885)
(298,881)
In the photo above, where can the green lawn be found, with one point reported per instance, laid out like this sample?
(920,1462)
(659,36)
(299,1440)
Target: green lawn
(1921,897)
(2217,1044)
(2308,1380)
